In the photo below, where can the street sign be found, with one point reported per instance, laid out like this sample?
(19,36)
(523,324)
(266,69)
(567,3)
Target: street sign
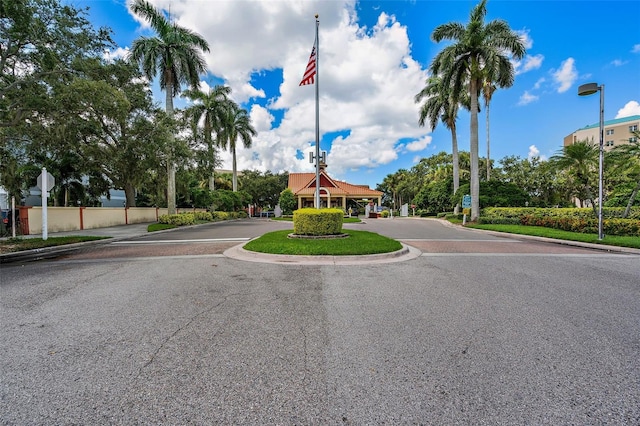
(51,182)
(466,202)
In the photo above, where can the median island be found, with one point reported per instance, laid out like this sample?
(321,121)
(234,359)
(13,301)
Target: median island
(318,232)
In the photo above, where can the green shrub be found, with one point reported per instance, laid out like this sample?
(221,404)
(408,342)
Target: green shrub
(384,213)
(628,227)
(310,221)
(287,201)
(585,213)
(488,220)
(449,216)
(220,215)
(203,216)
(179,219)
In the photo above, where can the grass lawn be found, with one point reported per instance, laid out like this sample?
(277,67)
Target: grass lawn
(160,227)
(358,243)
(540,231)
(20,244)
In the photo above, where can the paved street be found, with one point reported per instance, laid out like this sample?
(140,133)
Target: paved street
(477,329)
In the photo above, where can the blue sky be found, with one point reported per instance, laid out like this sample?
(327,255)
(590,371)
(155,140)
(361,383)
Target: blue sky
(374,57)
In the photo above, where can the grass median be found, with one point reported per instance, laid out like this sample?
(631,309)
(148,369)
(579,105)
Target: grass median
(12,245)
(540,231)
(357,243)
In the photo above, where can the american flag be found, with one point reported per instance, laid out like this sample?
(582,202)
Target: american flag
(310,72)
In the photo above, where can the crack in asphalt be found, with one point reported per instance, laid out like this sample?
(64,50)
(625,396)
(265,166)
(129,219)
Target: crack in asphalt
(184,327)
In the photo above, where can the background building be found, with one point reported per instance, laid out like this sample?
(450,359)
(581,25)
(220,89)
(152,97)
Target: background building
(616,132)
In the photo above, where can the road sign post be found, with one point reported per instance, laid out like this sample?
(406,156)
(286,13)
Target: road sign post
(45,182)
(466,207)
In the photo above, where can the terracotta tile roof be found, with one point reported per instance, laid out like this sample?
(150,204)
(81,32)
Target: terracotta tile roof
(304,184)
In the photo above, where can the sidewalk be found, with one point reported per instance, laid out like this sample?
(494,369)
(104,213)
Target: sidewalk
(120,232)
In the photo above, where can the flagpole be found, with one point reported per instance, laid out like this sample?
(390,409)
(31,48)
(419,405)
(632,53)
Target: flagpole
(317,117)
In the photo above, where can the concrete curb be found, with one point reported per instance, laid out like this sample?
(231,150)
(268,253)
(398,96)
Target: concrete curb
(405,253)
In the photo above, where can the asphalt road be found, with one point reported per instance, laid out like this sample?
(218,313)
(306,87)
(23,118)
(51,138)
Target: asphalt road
(479,329)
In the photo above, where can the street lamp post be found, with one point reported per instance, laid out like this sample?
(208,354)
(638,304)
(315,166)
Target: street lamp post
(585,90)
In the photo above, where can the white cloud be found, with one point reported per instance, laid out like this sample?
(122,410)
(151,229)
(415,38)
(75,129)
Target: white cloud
(535,152)
(636,48)
(539,83)
(630,108)
(119,53)
(618,62)
(368,79)
(527,98)
(566,75)
(261,118)
(525,38)
(529,63)
(419,144)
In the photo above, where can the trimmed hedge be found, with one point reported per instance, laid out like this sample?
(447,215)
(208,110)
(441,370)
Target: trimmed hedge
(586,213)
(310,221)
(203,216)
(179,219)
(627,227)
(567,219)
(190,218)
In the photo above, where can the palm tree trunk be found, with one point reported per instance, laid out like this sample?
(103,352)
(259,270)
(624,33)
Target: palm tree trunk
(473,148)
(171,167)
(456,165)
(488,146)
(234,178)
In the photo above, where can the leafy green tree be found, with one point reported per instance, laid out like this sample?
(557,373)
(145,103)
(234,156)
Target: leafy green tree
(435,197)
(42,41)
(264,189)
(580,161)
(209,108)
(476,50)
(625,162)
(495,193)
(44,44)
(287,201)
(539,179)
(229,201)
(235,124)
(176,55)
(121,130)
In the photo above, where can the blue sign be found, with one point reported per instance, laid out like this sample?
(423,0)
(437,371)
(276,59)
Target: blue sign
(466,202)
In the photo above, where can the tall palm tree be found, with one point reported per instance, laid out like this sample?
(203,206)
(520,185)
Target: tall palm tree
(209,108)
(478,49)
(580,160)
(488,89)
(236,123)
(626,160)
(440,105)
(176,55)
